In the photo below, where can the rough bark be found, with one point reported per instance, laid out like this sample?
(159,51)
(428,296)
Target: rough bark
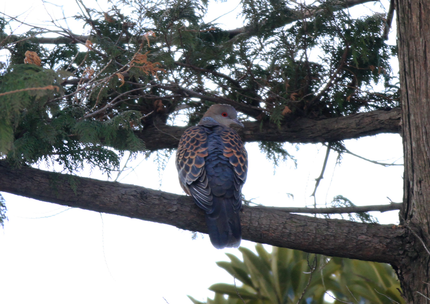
(414,58)
(341,238)
(302,130)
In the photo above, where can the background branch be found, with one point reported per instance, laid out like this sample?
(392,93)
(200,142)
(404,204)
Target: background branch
(336,210)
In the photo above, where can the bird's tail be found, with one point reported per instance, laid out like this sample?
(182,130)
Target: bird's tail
(224,224)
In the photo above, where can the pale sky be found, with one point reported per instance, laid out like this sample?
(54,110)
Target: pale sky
(54,254)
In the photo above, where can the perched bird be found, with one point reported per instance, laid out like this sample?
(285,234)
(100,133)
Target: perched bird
(212,164)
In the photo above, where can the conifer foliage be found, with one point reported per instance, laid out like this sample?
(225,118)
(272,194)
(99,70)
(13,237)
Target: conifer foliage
(78,99)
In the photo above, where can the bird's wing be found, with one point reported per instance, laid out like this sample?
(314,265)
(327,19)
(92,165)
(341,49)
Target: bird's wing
(234,150)
(190,162)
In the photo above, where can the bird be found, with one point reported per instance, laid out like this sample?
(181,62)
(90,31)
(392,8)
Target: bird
(212,166)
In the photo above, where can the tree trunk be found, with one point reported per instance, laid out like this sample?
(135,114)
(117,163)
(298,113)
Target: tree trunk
(414,57)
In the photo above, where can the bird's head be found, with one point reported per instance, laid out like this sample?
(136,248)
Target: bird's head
(223,114)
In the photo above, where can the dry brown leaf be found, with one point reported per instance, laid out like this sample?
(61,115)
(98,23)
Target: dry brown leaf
(121,78)
(287,84)
(140,61)
(89,44)
(109,18)
(150,33)
(158,105)
(32,58)
(286,111)
(293,96)
(88,73)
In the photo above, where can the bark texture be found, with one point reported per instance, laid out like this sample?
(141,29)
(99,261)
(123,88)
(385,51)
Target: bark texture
(414,58)
(341,238)
(302,130)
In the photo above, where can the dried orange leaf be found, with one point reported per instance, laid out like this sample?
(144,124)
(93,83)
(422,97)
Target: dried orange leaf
(140,61)
(88,72)
(109,18)
(150,33)
(286,111)
(121,78)
(158,105)
(32,58)
(89,44)
(293,96)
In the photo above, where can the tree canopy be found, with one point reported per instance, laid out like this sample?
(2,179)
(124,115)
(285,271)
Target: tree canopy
(71,98)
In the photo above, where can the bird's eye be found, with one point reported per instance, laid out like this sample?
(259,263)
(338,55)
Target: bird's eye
(224,114)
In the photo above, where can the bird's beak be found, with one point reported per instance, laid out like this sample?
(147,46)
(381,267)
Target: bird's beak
(237,122)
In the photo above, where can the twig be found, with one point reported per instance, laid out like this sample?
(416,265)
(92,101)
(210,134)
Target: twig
(110,104)
(418,237)
(50,87)
(319,178)
(384,295)
(339,300)
(350,292)
(422,295)
(336,210)
(333,77)
(363,158)
(237,291)
(161,131)
(215,73)
(313,268)
(389,21)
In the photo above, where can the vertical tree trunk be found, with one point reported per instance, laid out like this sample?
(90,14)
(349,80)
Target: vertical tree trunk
(413,24)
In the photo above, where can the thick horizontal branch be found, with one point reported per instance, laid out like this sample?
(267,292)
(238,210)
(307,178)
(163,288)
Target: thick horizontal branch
(341,238)
(300,130)
(337,210)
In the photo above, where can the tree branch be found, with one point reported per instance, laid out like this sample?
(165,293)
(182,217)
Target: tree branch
(337,210)
(301,130)
(341,238)
(319,178)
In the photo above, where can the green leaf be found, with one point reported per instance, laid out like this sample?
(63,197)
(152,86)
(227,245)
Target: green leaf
(233,291)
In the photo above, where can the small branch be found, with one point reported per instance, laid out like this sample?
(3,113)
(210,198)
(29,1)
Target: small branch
(363,158)
(336,210)
(49,87)
(231,80)
(319,178)
(332,77)
(312,267)
(422,295)
(417,236)
(246,109)
(113,103)
(389,20)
